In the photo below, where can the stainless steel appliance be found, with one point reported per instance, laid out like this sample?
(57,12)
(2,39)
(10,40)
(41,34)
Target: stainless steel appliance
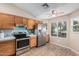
(22,43)
(22,39)
(40,32)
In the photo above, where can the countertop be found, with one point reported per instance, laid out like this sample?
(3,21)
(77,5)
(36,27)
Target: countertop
(12,38)
(7,38)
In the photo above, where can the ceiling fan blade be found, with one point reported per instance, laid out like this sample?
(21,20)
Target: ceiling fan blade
(57,14)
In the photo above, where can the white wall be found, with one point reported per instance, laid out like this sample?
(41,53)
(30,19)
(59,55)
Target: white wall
(11,9)
(72,40)
(74,36)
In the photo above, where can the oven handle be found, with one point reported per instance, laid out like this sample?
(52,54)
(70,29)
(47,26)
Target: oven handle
(22,39)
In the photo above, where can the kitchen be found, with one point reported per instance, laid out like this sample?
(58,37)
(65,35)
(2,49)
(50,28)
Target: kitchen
(22,32)
(10,25)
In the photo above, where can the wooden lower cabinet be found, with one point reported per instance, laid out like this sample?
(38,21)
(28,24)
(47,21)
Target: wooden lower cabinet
(33,41)
(7,48)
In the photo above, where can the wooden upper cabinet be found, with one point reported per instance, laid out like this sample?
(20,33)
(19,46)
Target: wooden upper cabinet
(10,21)
(6,21)
(18,20)
(25,22)
(31,23)
(36,22)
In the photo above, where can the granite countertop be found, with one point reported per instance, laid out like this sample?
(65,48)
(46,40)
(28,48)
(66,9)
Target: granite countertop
(7,38)
(11,38)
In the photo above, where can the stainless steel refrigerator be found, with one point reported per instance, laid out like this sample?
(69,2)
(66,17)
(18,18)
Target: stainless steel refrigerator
(40,32)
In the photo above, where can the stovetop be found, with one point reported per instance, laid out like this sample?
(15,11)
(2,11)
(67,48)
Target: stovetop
(19,36)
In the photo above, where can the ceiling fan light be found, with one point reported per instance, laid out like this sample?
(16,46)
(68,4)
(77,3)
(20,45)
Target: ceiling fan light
(53,15)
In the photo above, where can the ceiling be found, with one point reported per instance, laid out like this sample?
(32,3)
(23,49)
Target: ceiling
(37,10)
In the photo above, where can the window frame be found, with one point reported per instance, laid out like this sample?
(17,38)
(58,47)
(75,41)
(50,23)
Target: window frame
(57,22)
(72,23)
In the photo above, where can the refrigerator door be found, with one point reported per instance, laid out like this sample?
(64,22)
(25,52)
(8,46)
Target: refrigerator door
(41,40)
(41,32)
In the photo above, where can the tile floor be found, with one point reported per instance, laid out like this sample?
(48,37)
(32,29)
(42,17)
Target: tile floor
(49,50)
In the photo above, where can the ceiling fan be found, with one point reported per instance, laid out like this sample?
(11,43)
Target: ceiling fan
(57,13)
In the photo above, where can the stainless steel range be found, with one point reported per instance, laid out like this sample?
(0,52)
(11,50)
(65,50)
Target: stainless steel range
(22,43)
(22,39)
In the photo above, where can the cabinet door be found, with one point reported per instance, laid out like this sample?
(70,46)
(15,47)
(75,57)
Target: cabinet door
(7,48)
(18,20)
(25,22)
(36,22)
(30,23)
(6,21)
(33,41)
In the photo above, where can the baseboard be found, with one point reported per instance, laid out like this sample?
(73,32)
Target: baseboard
(66,47)
(74,51)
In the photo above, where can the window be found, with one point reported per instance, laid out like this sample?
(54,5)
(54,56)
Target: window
(59,29)
(62,29)
(54,29)
(75,24)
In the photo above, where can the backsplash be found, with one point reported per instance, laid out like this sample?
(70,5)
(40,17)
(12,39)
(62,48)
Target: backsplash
(7,32)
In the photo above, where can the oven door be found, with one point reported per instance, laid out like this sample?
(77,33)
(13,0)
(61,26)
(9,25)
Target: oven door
(22,43)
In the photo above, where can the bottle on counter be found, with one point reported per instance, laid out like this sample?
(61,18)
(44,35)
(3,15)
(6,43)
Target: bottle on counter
(1,34)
